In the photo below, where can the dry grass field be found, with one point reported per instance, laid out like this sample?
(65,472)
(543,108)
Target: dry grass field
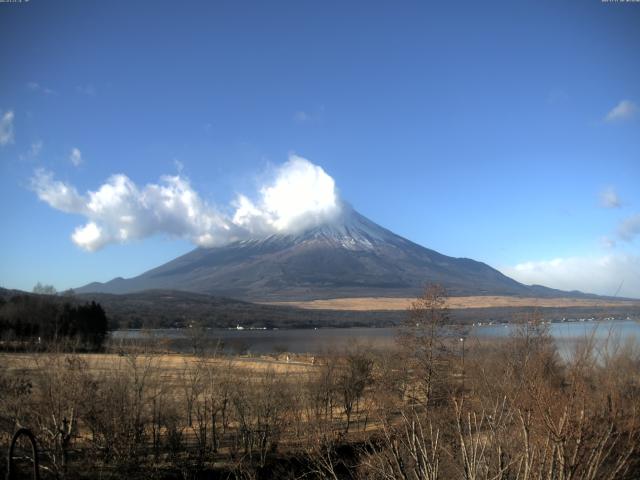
(359,415)
(381,303)
(172,365)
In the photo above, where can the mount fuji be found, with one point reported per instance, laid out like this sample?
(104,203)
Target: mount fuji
(349,256)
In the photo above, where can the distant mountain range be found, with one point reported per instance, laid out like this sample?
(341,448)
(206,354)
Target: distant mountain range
(348,257)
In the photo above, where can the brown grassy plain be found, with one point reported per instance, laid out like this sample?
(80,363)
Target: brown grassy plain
(170,364)
(391,304)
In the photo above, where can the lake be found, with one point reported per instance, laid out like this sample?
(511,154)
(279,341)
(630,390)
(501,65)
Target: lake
(314,341)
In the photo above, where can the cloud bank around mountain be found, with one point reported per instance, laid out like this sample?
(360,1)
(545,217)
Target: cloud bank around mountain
(300,195)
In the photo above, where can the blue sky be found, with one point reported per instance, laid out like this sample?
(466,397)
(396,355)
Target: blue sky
(507,132)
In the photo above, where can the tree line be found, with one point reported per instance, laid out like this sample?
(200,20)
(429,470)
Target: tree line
(27,320)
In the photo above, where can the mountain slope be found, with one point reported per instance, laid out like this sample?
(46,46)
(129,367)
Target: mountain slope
(350,257)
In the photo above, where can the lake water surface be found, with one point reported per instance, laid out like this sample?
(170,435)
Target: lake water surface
(314,341)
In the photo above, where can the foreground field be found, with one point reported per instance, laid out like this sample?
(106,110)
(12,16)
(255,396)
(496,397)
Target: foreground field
(171,365)
(392,304)
(429,409)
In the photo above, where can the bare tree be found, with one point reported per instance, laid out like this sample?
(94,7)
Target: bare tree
(261,407)
(422,340)
(353,378)
(406,446)
(64,388)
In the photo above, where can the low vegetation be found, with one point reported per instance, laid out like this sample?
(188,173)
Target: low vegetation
(435,407)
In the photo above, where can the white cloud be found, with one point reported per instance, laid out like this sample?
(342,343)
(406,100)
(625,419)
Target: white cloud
(300,195)
(630,227)
(6,128)
(36,87)
(58,195)
(119,211)
(624,110)
(75,157)
(609,198)
(602,275)
(89,236)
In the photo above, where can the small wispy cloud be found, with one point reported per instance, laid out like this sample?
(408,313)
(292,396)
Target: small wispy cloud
(609,198)
(6,128)
(301,116)
(629,228)
(33,152)
(36,148)
(36,87)
(75,157)
(88,90)
(624,110)
(305,116)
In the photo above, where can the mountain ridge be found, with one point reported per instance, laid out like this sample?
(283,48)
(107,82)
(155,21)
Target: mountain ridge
(351,256)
